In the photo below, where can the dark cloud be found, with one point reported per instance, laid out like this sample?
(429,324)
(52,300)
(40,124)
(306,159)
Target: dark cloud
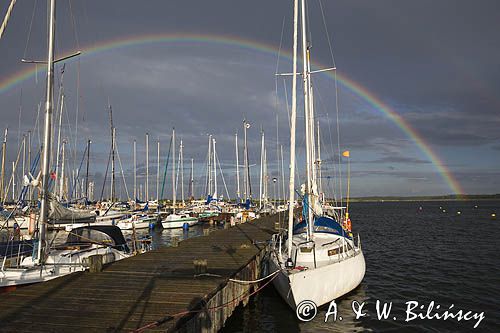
(434,63)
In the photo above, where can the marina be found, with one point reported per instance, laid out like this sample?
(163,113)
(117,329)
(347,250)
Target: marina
(162,290)
(284,166)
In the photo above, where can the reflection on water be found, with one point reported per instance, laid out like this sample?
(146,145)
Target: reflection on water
(446,252)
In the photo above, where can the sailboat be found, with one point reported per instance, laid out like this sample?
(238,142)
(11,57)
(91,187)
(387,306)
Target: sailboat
(316,260)
(47,263)
(179,220)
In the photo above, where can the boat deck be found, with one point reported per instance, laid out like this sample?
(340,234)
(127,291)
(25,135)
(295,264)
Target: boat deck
(143,289)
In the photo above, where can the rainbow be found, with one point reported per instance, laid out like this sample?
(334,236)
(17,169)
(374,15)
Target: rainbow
(377,104)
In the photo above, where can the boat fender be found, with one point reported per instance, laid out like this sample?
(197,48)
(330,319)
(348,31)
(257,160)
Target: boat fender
(349,224)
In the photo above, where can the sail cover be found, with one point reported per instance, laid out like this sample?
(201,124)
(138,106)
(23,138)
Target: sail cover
(60,214)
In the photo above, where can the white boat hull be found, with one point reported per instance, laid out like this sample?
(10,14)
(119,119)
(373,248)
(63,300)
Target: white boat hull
(59,263)
(320,285)
(172,223)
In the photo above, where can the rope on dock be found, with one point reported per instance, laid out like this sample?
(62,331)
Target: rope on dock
(170,317)
(255,281)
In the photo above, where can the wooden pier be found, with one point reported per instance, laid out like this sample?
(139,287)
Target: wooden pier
(163,289)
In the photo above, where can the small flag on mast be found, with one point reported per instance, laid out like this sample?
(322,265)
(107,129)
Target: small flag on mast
(346,153)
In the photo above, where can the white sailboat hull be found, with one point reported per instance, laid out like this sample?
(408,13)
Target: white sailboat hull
(59,263)
(320,285)
(176,221)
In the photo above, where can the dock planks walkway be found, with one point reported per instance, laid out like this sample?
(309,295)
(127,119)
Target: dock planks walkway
(142,289)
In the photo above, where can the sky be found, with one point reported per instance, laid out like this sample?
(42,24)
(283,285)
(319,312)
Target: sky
(415,96)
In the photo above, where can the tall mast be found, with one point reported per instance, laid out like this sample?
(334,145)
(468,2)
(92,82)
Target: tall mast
(261,167)
(30,190)
(282,173)
(87,172)
(215,171)
(147,167)
(173,169)
(248,186)
(181,157)
(2,176)
(305,78)
(61,176)
(49,100)
(192,178)
(293,121)
(13,180)
(113,176)
(112,189)
(158,170)
(24,155)
(209,167)
(59,133)
(318,163)
(238,194)
(135,170)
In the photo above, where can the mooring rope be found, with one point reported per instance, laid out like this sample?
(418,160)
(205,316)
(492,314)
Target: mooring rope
(170,317)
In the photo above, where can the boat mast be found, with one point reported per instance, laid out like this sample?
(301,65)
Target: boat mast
(49,100)
(209,167)
(2,177)
(158,171)
(173,169)
(112,189)
(248,186)
(215,171)
(237,168)
(192,178)
(30,190)
(87,172)
(305,78)
(61,176)
(181,157)
(135,170)
(293,121)
(147,167)
(318,164)
(261,167)
(282,173)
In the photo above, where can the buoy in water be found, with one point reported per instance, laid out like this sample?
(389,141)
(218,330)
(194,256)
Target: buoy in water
(185,226)
(493,216)
(444,210)
(459,212)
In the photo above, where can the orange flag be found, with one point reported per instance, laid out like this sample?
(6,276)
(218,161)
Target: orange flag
(345,153)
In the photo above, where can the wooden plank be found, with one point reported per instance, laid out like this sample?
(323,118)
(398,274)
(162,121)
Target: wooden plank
(135,291)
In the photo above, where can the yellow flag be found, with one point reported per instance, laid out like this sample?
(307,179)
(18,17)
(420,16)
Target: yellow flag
(345,153)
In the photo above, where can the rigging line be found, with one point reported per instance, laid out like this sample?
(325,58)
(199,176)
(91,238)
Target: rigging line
(336,101)
(73,24)
(333,156)
(121,168)
(276,94)
(30,29)
(106,174)
(77,176)
(323,105)
(222,175)
(19,121)
(7,17)
(338,140)
(166,167)
(286,102)
(327,33)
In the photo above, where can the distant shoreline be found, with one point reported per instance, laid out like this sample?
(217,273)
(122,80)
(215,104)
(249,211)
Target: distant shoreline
(478,197)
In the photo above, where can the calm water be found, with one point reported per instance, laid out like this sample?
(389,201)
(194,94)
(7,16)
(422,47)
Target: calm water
(411,254)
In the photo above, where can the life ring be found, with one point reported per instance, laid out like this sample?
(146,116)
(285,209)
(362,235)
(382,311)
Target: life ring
(349,225)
